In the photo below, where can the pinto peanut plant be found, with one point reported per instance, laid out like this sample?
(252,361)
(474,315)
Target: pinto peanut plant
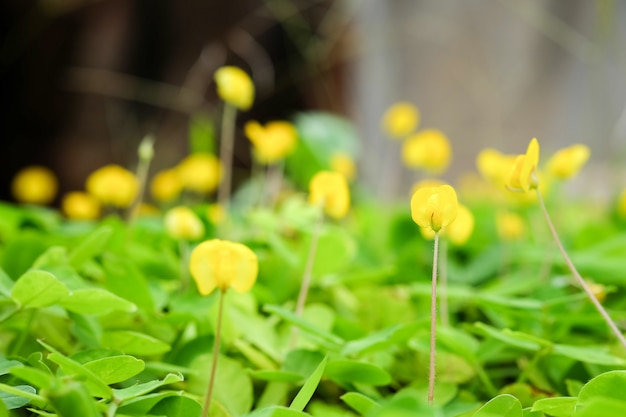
(334,304)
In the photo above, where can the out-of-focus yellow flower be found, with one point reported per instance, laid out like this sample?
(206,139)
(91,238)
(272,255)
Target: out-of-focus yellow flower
(146,210)
(400,120)
(494,166)
(165,185)
(566,162)
(113,185)
(427,182)
(235,87)
(510,226)
(598,290)
(273,142)
(215,213)
(183,224)
(78,205)
(343,163)
(223,264)
(429,150)
(330,189)
(459,231)
(523,175)
(434,207)
(200,173)
(35,185)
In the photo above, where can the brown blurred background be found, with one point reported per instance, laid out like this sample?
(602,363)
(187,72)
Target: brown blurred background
(81,82)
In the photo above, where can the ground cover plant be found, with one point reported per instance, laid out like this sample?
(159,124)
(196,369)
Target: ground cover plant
(298,294)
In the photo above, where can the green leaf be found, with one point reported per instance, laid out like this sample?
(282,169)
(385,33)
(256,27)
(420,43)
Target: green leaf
(277,411)
(38,289)
(140,406)
(177,406)
(125,394)
(335,249)
(96,386)
(556,407)
(124,279)
(381,340)
(604,407)
(280,376)
(133,343)
(359,402)
(501,406)
(95,301)
(114,369)
(512,338)
(304,325)
(72,399)
(590,354)
(90,246)
(14,401)
(20,252)
(308,389)
(34,376)
(352,372)
(7,364)
(609,385)
(6,283)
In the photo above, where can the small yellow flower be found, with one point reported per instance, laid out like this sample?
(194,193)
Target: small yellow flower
(165,186)
(235,87)
(113,185)
(510,226)
(400,120)
(330,189)
(429,150)
(200,173)
(434,207)
(183,224)
(78,205)
(273,142)
(223,264)
(459,231)
(35,185)
(523,174)
(598,290)
(566,162)
(215,213)
(494,166)
(342,163)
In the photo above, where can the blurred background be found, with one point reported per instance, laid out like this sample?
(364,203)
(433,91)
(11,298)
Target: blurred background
(81,82)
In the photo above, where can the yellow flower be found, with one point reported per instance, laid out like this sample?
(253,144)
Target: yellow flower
(523,174)
(330,189)
(427,182)
(598,290)
(235,87)
(510,226)
(494,166)
(400,120)
(223,264)
(215,213)
(182,223)
(342,163)
(429,150)
(459,231)
(35,185)
(200,172)
(566,162)
(165,185)
(80,206)
(434,207)
(113,185)
(273,142)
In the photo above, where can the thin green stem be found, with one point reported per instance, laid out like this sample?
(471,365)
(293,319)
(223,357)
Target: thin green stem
(579,279)
(227,145)
(433,325)
(146,153)
(216,352)
(306,277)
(443,285)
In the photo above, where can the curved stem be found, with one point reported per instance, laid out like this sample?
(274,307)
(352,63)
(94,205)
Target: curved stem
(227,145)
(306,277)
(216,351)
(433,325)
(580,279)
